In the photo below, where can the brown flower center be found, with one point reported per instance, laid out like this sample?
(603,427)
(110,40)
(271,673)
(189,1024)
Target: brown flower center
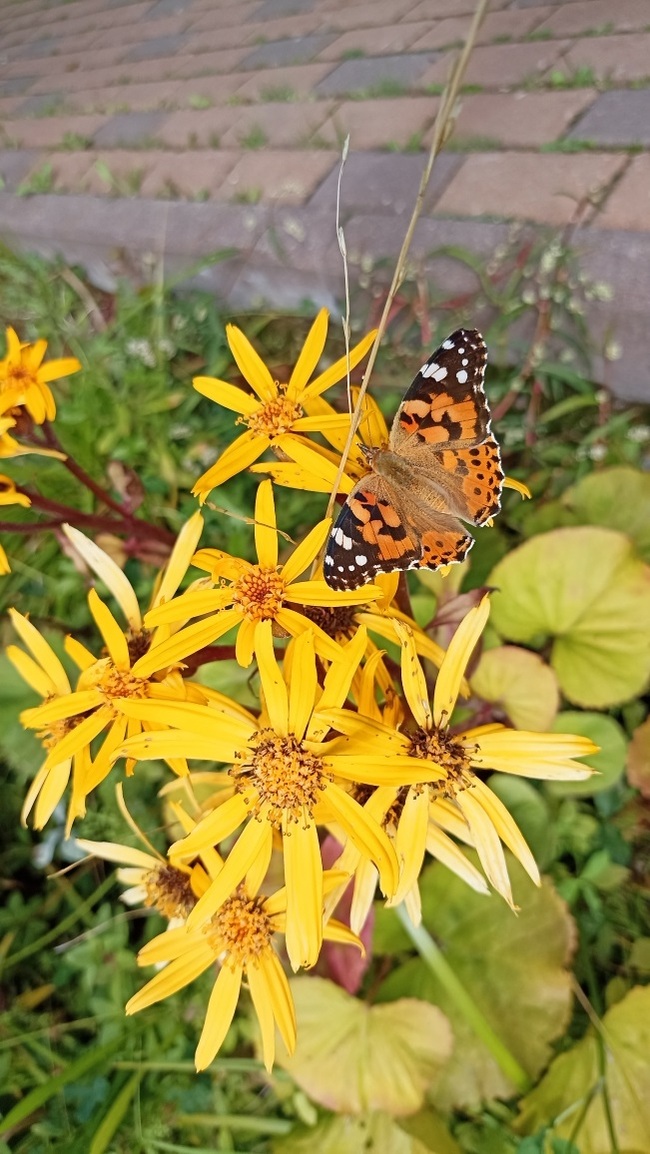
(288,778)
(339,623)
(241,928)
(449,754)
(275,417)
(169,891)
(259,592)
(113,682)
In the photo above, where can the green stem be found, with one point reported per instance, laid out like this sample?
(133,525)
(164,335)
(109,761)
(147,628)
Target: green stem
(433,957)
(52,935)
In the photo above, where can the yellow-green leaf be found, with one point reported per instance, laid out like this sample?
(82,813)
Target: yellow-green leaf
(352,1058)
(343,1134)
(617,498)
(521,683)
(609,762)
(587,592)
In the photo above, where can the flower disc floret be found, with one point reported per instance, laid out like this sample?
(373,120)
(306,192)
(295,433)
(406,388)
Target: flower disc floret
(113,682)
(439,746)
(289,779)
(259,593)
(169,891)
(275,417)
(242,929)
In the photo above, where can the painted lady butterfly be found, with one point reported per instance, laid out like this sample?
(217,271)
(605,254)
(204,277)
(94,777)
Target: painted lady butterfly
(441,466)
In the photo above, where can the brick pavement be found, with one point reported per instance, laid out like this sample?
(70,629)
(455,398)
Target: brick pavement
(220,123)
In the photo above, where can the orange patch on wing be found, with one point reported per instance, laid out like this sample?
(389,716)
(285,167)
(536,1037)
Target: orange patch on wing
(442,546)
(482,478)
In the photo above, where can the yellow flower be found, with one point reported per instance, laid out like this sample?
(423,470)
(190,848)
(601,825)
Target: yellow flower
(280,412)
(460,802)
(285,775)
(9,495)
(239,938)
(24,378)
(248,594)
(139,664)
(153,882)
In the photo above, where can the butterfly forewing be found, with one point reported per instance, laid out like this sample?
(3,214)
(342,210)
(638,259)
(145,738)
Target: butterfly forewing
(445,404)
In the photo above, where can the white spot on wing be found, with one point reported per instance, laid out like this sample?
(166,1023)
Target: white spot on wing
(360,559)
(441,373)
(461,376)
(447,344)
(429,370)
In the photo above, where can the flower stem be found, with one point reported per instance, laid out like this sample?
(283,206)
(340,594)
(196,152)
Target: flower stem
(433,957)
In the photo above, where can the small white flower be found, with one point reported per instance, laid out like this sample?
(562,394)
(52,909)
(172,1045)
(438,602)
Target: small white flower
(612,351)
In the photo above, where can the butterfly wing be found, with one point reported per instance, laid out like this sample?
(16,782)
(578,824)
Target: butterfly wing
(442,428)
(377,532)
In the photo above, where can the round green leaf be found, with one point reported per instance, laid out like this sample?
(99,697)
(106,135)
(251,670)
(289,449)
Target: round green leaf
(638,759)
(586,591)
(352,1057)
(345,1135)
(521,683)
(513,966)
(617,498)
(609,761)
(572,1092)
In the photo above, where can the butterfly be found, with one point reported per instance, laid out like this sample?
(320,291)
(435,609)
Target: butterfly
(441,467)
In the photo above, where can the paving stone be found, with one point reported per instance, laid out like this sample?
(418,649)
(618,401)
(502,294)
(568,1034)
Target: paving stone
(15,166)
(118,172)
(375,41)
(535,3)
(302,239)
(284,28)
(122,34)
(69,169)
(9,106)
(214,19)
(281,126)
(613,58)
(384,182)
(199,43)
(36,48)
(16,85)
(157,46)
(519,119)
(527,186)
(616,118)
(218,89)
(380,72)
(289,177)
(270,9)
(589,15)
(381,13)
(50,131)
(383,124)
(453,29)
(129,129)
(296,80)
(197,128)
(628,205)
(204,63)
(190,175)
(280,53)
(43,104)
(169,8)
(621,260)
(127,98)
(502,65)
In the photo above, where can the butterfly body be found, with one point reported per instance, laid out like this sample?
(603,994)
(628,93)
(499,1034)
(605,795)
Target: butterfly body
(441,467)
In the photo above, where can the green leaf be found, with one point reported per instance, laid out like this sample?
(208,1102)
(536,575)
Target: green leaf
(638,759)
(617,498)
(514,968)
(584,590)
(352,1057)
(573,1090)
(72,1072)
(521,683)
(345,1135)
(609,761)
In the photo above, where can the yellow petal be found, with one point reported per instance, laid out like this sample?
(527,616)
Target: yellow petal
(230,729)
(296,623)
(386,769)
(245,642)
(518,486)
(338,680)
(176,743)
(303,684)
(110,573)
(250,364)
(460,649)
(266,533)
(273,686)
(180,558)
(303,872)
(507,828)
(365,888)
(80,736)
(46,790)
(413,679)
(219,1014)
(252,841)
(185,642)
(411,839)
(318,593)
(177,974)
(60,708)
(314,460)
(310,354)
(237,457)
(228,396)
(281,1000)
(41,651)
(81,656)
(366,834)
(31,671)
(440,846)
(305,553)
(114,638)
(60,367)
(221,823)
(262,992)
(487,842)
(338,371)
(546,756)
(122,854)
(193,603)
